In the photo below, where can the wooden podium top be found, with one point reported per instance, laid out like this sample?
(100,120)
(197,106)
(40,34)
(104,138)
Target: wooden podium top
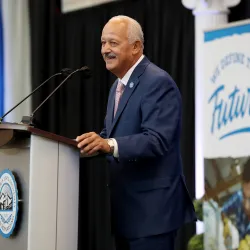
(11,131)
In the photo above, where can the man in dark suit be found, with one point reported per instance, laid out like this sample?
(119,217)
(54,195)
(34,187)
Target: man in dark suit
(141,137)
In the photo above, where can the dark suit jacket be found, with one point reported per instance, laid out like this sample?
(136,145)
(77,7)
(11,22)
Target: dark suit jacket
(148,190)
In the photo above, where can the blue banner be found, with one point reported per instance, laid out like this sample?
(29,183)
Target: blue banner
(1,65)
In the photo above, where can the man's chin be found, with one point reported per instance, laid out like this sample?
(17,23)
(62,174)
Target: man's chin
(110,67)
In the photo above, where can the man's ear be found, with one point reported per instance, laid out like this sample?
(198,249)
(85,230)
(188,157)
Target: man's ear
(137,46)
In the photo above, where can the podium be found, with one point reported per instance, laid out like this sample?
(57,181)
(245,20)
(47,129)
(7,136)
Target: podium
(46,170)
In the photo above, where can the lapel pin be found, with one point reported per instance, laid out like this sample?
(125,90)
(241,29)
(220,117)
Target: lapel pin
(131,85)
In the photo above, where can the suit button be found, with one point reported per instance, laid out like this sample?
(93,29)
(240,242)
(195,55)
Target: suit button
(107,185)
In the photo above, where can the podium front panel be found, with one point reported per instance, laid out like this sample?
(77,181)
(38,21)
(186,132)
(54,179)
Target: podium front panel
(43,194)
(54,195)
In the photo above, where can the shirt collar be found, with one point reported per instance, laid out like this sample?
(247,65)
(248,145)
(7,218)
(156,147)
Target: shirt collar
(125,79)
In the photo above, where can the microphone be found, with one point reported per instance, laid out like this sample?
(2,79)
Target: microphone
(29,119)
(64,72)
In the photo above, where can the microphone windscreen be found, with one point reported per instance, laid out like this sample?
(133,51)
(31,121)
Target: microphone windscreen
(86,71)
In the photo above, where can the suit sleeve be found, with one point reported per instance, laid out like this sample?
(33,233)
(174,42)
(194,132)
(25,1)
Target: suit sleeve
(161,114)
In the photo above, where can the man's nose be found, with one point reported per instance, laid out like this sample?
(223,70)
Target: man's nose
(106,48)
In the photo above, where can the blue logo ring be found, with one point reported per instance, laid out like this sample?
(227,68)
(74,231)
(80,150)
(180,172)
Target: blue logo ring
(8,202)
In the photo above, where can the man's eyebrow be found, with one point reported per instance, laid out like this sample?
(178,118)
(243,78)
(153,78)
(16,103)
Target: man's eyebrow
(109,39)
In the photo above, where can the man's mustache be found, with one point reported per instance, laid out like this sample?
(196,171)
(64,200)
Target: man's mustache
(109,55)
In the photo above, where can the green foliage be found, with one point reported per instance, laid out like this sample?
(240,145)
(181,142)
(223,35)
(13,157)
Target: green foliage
(198,209)
(196,242)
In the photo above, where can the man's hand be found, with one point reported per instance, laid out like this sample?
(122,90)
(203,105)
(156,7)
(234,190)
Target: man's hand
(91,143)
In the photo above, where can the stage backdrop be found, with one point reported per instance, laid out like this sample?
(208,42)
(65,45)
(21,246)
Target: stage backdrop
(227,137)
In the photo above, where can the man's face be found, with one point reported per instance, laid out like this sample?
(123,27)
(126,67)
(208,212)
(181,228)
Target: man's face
(116,50)
(246,198)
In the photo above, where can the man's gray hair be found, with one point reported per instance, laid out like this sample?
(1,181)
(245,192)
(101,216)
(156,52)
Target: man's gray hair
(135,32)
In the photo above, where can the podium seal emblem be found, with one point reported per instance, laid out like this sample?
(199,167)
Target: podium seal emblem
(8,203)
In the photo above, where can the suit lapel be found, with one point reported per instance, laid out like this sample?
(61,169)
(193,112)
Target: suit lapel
(129,89)
(110,109)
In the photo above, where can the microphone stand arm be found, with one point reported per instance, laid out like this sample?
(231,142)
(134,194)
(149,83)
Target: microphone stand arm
(1,118)
(29,119)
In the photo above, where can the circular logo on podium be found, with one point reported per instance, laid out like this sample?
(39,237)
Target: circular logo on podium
(8,203)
